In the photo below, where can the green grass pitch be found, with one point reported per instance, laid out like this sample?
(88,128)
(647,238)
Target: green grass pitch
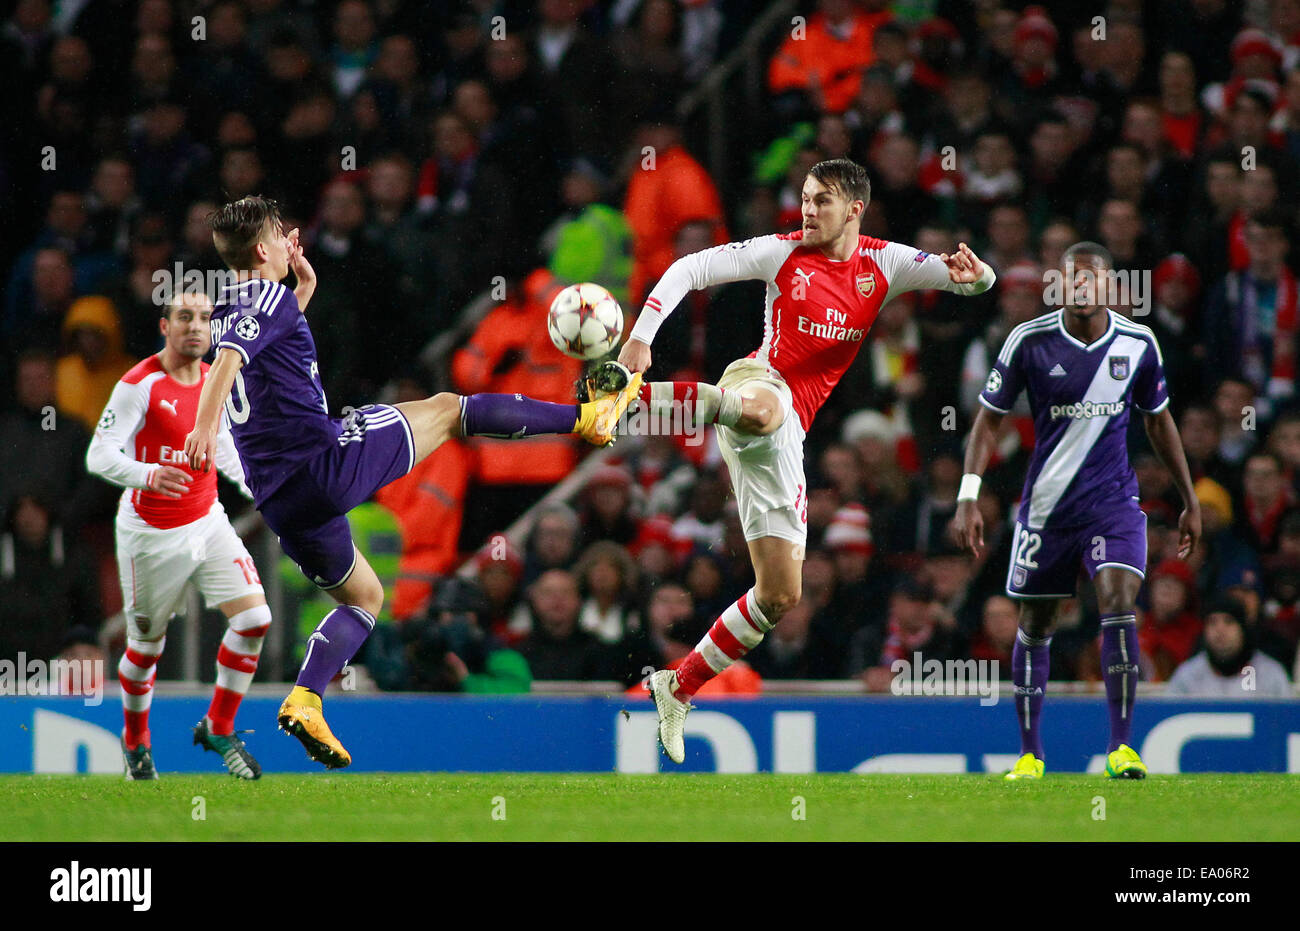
(540,806)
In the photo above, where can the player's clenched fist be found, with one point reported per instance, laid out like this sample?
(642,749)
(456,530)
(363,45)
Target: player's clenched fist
(169,481)
(969,526)
(200,449)
(635,355)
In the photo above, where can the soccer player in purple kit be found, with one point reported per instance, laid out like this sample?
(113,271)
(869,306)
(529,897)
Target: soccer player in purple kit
(1084,367)
(306,469)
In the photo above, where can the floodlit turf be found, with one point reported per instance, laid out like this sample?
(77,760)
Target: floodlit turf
(419,806)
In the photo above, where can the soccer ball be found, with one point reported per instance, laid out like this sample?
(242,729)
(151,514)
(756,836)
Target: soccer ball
(585,322)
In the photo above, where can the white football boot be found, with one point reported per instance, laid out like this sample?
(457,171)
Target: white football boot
(672,713)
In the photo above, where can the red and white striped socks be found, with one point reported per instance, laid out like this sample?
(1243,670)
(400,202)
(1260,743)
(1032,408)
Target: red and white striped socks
(136,672)
(740,628)
(236,663)
(702,402)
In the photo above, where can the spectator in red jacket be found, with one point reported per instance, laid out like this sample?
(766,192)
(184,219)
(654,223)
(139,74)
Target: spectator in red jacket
(1171,627)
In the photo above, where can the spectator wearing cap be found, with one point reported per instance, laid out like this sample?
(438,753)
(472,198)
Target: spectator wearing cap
(657,550)
(1230,665)
(913,626)
(861,585)
(1170,626)
(1256,59)
(1175,320)
(500,568)
(1034,75)
(84,377)
(1252,320)
(876,439)
(607,507)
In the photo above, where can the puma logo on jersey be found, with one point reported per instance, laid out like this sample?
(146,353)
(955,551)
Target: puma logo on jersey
(806,276)
(170,405)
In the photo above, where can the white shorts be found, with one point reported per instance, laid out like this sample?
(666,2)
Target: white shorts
(156,564)
(767,471)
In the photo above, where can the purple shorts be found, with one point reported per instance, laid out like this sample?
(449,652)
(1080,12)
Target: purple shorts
(309,511)
(1045,563)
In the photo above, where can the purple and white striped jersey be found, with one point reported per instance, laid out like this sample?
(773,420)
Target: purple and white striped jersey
(278,414)
(1080,395)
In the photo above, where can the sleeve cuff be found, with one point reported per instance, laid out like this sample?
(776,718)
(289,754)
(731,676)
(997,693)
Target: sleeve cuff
(235,346)
(993,407)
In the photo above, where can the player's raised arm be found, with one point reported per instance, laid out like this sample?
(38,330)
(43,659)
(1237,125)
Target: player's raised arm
(757,258)
(960,272)
(302,270)
(200,445)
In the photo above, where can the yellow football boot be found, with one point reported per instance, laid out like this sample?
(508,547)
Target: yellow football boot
(1124,763)
(1027,767)
(611,389)
(301,717)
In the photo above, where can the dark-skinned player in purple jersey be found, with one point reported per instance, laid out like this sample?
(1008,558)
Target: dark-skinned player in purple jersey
(307,469)
(1085,367)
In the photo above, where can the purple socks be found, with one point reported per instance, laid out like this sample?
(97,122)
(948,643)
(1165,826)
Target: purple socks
(1119,670)
(513,416)
(334,641)
(1029,667)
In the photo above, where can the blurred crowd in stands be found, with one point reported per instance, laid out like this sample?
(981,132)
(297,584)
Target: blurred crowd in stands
(435,152)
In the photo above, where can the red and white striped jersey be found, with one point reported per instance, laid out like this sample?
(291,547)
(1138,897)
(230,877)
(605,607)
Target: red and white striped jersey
(817,311)
(144,426)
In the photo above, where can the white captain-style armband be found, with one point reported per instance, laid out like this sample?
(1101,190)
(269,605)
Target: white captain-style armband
(970,487)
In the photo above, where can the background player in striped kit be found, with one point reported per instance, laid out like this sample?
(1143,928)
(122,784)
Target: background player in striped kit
(171,529)
(1084,366)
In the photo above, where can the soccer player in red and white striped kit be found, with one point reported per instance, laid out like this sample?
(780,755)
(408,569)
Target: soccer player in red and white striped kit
(826,282)
(171,529)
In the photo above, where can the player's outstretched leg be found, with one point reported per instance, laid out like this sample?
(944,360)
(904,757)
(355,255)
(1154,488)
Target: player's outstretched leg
(236,664)
(1029,669)
(700,403)
(604,396)
(738,630)
(135,673)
